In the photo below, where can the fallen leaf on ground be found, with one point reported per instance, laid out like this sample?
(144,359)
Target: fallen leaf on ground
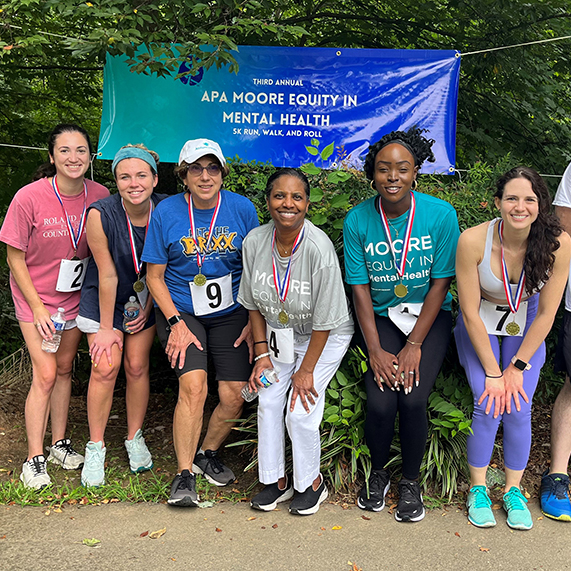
(144,534)
(337,527)
(365,517)
(173,559)
(322,529)
(251,518)
(105,501)
(486,549)
(47,512)
(3,537)
(58,510)
(71,502)
(158,533)
(456,534)
(84,501)
(91,542)
(218,530)
(496,507)
(236,491)
(263,527)
(114,500)
(275,525)
(540,517)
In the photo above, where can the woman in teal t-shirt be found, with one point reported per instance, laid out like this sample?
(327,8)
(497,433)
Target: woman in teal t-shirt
(399,259)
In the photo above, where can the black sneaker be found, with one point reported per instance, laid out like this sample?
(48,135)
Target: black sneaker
(410,506)
(379,484)
(210,465)
(268,499)
(307,503)
(183,490)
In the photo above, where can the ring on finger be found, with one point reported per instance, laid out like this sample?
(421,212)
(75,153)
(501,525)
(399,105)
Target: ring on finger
(411,372)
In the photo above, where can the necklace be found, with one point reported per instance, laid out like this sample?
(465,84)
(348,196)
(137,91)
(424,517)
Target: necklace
(393,227)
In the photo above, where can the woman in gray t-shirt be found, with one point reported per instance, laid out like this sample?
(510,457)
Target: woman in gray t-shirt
(292,286)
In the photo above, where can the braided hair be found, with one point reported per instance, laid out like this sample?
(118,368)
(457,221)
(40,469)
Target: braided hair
(420,147)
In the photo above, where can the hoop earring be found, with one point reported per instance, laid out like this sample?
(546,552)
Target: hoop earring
(414,185)
(372,185)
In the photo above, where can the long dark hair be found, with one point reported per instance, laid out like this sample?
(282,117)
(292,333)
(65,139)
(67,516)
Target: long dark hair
(419,146)
(287,171)
(48,169)
(542,241)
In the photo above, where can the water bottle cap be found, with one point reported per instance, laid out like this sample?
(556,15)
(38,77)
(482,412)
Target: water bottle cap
(132,299)
(61,309)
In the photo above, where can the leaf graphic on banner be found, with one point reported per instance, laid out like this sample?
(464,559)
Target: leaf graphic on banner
(315,142)
(327,151)
(310,168)
(312,150)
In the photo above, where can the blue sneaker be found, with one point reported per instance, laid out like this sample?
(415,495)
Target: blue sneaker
(93,473)
(479,507)
(518,514)
(555,501)
(140,458)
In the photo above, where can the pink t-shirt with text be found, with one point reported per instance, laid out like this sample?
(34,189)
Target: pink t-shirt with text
(35,223)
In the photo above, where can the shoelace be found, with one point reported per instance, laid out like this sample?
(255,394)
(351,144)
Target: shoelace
(37,466)
(481,499)
(65,445)
(408,492)
(186,482)
(214,462)
(515,500)
(376,484)
(559,488)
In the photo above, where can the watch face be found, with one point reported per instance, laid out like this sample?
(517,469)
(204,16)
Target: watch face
(173,320)
(519,364)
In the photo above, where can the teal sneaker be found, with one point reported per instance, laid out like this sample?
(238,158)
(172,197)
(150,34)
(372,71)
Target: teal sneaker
(518,514)
(93,473)
(479,507)
(140,458)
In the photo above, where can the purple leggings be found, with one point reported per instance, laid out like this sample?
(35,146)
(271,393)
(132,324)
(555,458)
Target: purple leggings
(517,425)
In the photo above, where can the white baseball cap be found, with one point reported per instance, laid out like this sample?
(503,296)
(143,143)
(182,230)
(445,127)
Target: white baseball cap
(196,148)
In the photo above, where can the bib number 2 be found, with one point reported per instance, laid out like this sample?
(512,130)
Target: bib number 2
(71,275)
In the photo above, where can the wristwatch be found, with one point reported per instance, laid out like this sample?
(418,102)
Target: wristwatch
(519,364)
(173,320)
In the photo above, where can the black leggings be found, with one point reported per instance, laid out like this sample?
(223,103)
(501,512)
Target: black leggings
(382,406)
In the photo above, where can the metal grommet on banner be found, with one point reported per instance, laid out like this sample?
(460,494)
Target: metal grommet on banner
(451,169)
(100,154)
(457,55)
(338,52)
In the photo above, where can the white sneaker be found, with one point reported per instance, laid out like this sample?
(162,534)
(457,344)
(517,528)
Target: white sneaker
(93,473)
(140,458)
(34,474)
(63,454)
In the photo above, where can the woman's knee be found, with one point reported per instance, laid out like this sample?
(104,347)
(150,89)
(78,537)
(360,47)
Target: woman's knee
(192,391)
(44,377)
(136,368)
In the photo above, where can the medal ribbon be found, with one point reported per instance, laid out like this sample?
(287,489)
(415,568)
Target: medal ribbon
(200,257)
(136,262)
(512,302)
(406,240)
(282,286)
(74,239)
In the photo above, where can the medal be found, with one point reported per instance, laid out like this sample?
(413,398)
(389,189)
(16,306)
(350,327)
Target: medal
(72,236)
(75,259)
(282,286)
(514,303)
(138,286)
(512,328)
(199,279)
(401,290)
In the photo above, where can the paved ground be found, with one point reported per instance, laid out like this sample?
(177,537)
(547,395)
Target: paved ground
(231,537)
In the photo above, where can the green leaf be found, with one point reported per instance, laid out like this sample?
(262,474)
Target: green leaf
(310,168)
(347,413)
(333,394)
(327,151)
(340,201)
(315,142)
(319,219)
(315,195)
(332,419)
(312,150)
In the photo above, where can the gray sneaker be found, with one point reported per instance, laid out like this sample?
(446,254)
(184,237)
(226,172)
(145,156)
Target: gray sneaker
(183,490)
(63,454)
(34,473)
(210,465)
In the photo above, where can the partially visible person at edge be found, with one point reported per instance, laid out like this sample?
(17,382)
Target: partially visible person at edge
(302,328)
(555,481)
(399,261)
(511,274)
(195,243)
(116,229)
(47,256)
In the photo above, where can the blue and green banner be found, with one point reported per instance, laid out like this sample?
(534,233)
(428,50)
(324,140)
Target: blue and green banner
(288,106)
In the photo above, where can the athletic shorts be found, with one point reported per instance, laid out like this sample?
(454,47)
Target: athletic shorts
(217,336)
(562,360)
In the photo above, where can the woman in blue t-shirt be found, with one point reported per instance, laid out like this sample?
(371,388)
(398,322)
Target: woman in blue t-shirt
(116,230)
(399,259)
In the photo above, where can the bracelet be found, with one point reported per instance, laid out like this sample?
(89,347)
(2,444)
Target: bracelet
(493,377)
(413,342)
(258,342)
(262,355)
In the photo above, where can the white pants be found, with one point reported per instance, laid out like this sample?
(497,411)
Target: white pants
(302,427)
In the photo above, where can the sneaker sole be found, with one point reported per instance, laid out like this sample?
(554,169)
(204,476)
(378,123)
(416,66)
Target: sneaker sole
(197,470)
(519,527)
(312,509)
(87,484)
(410,519)
(287,495)
(64,465)
(562,517)
(482,525)
(374,509)
(41,487)
(142,469)
(186,502)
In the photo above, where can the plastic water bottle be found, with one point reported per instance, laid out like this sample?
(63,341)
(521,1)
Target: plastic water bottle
(267,378)
(130,311)
(58,319)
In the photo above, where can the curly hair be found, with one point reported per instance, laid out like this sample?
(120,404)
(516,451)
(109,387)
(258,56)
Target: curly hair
(287,171)
(542,241)
(420,146)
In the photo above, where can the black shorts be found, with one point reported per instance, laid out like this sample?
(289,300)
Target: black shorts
(562,361)
(217,336)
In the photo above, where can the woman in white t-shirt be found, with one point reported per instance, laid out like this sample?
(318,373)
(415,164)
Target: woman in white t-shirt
(47,256)
(292,286)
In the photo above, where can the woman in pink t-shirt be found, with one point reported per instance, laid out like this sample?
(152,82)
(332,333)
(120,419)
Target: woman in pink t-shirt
(47,256)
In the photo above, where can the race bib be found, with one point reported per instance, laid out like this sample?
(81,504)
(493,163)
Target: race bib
(404,316)
(499,320)
(71,275)
(214,295)
(143,296)
(280,343)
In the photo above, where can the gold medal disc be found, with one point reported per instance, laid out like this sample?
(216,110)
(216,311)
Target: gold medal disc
(512,328)
(138,286)
(199,279)
(283,318)
(401,290)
